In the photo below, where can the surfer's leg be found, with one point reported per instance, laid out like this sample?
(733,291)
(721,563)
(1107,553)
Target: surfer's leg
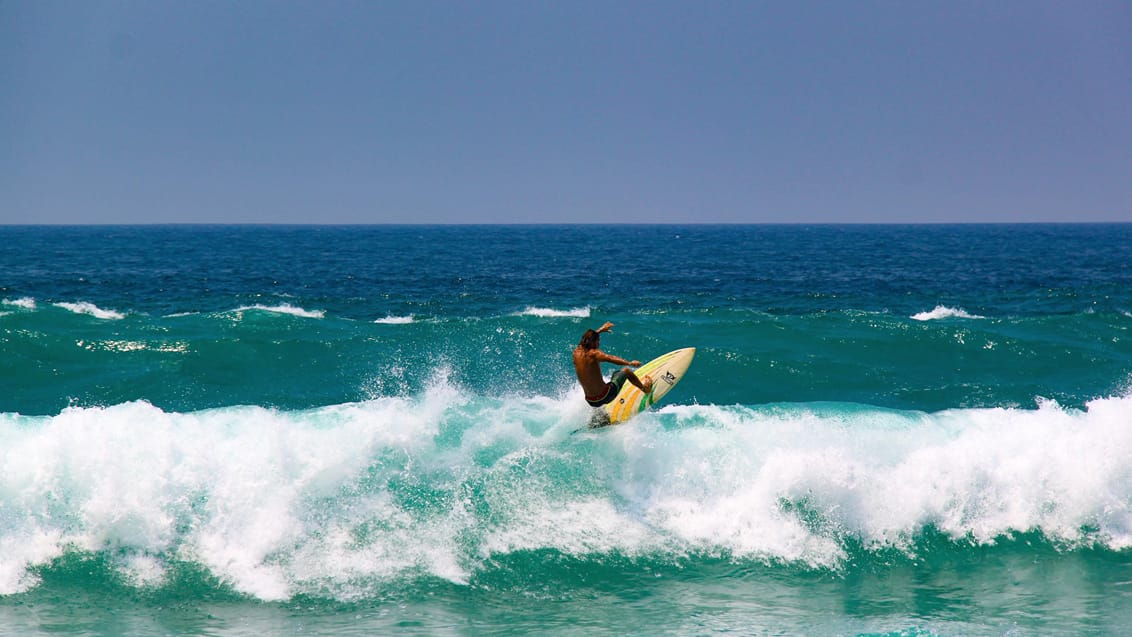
(643,385)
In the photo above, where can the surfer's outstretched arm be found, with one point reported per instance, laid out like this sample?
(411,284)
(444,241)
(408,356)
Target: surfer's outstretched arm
(643,385)
(616,360)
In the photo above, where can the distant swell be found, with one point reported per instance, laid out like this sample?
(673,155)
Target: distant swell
(83,307)
(285,308)
(543,312)
(395,320)
(26,303)
(943,312)
(348,499)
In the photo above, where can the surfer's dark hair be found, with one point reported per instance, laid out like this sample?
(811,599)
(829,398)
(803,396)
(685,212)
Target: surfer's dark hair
(590,339)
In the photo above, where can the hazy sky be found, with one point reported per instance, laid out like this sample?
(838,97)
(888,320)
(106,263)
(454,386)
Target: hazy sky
(561,112)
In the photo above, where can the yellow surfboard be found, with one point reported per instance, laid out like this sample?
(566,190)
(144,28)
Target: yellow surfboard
(665,372)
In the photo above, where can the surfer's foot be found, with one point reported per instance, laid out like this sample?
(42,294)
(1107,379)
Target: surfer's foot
(647,382)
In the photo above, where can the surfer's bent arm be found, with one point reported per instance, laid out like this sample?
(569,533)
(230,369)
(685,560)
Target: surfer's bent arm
(608,327)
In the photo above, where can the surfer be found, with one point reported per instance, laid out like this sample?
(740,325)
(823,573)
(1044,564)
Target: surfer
(587,363)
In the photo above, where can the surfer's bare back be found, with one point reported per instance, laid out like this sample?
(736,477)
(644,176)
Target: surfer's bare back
(587,363)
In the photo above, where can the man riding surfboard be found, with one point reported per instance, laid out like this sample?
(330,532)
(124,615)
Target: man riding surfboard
(587,363)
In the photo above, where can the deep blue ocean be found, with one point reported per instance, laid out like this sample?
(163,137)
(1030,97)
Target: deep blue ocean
(327,430)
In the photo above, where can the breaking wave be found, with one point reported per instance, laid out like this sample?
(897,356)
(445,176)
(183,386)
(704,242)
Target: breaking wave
(350,499)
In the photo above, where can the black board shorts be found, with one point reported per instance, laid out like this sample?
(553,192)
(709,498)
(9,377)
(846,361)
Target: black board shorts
(612,388)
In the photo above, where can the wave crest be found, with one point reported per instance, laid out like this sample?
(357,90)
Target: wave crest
(284,308)
(26,303)
(83,307)
(395,320)
(546,312)
(944,312)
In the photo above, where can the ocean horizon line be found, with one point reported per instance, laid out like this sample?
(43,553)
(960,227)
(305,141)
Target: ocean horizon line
(603,224)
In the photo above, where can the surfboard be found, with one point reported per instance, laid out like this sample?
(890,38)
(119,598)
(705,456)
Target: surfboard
(666,371)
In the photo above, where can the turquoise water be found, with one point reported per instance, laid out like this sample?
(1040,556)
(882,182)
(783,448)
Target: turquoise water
(894,430)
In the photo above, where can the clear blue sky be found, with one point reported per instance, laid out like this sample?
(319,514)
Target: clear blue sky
(564,112)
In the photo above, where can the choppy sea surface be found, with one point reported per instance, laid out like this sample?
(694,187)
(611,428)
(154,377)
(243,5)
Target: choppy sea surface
(246,430)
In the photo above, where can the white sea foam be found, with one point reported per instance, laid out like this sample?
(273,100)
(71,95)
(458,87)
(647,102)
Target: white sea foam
(26,302)
(285,308)
(545,312)
(395,320)
(83,307)
(944,312)
(341,498)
